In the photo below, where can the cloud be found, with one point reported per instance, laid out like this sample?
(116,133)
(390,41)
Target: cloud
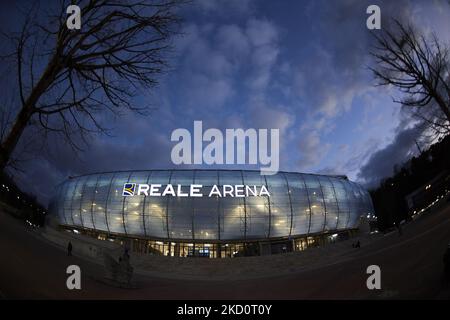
(204,72)
(261,32)
(224,6)
(381,163)
(233,40)
(311,150)
(264,36)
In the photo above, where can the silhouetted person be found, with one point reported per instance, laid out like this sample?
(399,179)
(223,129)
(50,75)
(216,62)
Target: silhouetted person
(399,228)
(69,249)
(125,269)
(358,244)
(126,255)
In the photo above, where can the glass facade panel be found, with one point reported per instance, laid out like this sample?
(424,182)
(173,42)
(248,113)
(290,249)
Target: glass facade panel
(155,208)
(77,198)
(343,202)
(316,203)
(98,206)
(280,208)
(180,209)
(115,203)
(353,204)
(133,207)
(87,197)
(232,209)
(300,204)
(330,203)
(257,208)
(206,209)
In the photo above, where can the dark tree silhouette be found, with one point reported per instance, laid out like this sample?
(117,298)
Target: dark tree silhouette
(66,78)
(420,68)
(389,198)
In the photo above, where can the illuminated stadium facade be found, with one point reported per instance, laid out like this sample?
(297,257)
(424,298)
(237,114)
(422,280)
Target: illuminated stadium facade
(225,216)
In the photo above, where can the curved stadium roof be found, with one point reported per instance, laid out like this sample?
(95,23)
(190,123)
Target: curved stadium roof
(299,204)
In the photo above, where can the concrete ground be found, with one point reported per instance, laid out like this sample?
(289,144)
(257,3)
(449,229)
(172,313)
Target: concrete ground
(411,267)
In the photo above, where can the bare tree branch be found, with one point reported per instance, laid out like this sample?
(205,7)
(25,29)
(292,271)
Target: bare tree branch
(72,76)
(419,68)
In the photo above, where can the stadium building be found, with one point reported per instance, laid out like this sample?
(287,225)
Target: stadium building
(212,213)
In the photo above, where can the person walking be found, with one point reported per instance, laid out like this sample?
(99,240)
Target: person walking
(69,249)
(399,228)
(126,255)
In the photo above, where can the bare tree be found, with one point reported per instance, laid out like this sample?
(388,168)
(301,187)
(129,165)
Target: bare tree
(419,67)
(67,78)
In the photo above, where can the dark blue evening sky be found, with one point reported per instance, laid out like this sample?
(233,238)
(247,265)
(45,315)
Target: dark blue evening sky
(299,66)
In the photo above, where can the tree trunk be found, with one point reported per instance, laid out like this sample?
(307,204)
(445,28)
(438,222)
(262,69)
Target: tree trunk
(27,110)
(11,140)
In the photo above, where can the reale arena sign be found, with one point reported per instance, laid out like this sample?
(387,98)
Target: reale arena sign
(193,190)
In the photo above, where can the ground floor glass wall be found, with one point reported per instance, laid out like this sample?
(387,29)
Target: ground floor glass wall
(219,250)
